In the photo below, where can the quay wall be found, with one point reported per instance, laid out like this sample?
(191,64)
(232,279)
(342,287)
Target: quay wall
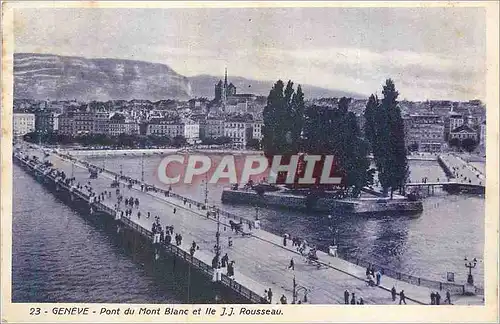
(104,153)
(136,238)
(320,204)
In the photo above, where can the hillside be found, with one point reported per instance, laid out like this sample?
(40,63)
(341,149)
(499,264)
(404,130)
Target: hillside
(42,76)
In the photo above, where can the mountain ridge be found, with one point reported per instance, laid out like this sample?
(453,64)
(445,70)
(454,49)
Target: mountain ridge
(57,77)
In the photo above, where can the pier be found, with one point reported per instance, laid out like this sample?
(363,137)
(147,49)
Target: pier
(261,259)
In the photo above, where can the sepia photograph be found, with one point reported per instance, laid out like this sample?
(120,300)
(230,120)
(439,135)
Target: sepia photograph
(248,155)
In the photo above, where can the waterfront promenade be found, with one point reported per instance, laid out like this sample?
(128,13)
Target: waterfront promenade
(260,260)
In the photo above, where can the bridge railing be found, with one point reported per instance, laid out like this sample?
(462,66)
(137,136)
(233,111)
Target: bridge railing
(414,280)
(197,263)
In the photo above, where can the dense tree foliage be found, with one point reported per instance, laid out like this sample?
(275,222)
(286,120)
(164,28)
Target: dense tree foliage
(335,132)
(283,119)
(384,129)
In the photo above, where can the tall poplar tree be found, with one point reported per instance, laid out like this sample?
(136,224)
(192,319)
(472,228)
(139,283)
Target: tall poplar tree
(384,129)
(283,119)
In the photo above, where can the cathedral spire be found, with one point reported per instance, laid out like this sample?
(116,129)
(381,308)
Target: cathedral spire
(225,79)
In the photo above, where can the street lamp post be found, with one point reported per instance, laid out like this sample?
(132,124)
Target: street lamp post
(256,213)
(470,265)
(217,237)
(142,167)
(296,289)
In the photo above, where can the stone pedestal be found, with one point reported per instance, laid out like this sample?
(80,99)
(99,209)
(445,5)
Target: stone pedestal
(469,290)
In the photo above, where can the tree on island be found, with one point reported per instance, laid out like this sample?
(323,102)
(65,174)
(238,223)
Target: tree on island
(384,129)
(253,143)
(283,119)
(469,144)
(335,132)
(455,142)
(179,141)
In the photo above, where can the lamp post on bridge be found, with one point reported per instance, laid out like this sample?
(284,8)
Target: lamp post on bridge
(296,289)
(470,265)
(142,167)
(332,249)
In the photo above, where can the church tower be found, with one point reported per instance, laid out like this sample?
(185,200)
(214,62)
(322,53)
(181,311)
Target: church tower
(224,89)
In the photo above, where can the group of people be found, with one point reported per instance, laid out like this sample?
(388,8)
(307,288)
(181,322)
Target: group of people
(268,297)
(164,236)
(350,299)
(402,296)
(131,202)
(223,262)
(373,277)
(436,298)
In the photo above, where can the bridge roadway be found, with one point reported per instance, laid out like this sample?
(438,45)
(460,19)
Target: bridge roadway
(463,171)
(260,260)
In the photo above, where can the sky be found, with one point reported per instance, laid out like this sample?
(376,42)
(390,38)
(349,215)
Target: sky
(430,53)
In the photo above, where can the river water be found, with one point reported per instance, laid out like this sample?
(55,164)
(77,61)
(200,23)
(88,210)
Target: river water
(59,256)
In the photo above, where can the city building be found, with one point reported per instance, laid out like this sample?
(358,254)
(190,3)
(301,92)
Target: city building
(236,130)
(214,128)
(191,130)
(66,123)
(101,122)
(425,132)
(119,125)
(257,129)
(186,128)
(464,131)
(46,121)
(23,123)
(456,120)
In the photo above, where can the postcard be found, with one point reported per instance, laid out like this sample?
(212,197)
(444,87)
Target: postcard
(266,162)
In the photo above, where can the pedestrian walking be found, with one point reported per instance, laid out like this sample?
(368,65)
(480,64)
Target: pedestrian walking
(149,215)
(438,298)
(402,297)
(292,265)
(230,241)
(346,297)
(270,295)
(378,276)
(224,260)
(230,270)
(361,301)
(175,210)
(353,299)
(393,293)
(448,298)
